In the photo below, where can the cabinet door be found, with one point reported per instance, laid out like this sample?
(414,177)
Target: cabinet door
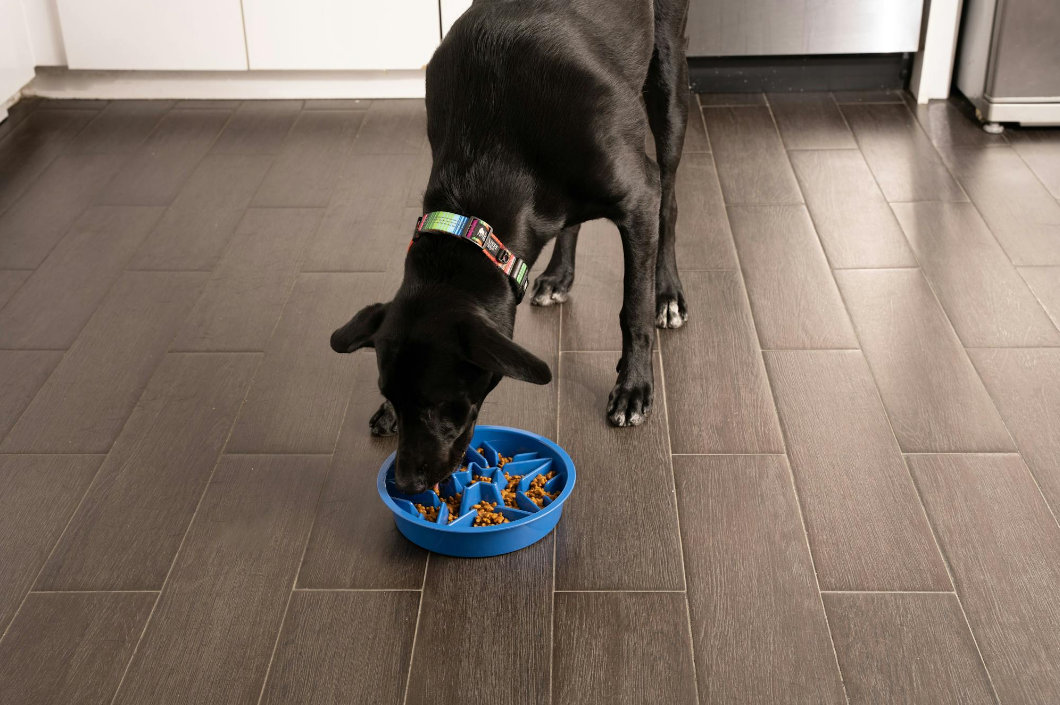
(341,34)
(159,35)
(451,10)
(16,58)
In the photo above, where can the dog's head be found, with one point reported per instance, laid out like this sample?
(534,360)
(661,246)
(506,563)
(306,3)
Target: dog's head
(437,362)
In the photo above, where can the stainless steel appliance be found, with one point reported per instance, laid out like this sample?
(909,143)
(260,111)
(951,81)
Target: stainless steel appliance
(802,27)
(1009,60)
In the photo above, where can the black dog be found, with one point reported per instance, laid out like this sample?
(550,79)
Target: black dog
(536,125)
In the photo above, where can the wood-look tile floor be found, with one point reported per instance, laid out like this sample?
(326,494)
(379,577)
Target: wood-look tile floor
(848,493)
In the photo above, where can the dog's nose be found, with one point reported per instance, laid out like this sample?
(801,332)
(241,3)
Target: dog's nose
(410,488)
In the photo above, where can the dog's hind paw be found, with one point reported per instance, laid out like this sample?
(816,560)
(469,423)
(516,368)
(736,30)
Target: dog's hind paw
(550,290)
(384,420)
(629,405)
(670,311)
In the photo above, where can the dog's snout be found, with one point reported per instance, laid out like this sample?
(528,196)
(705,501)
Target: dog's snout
(410,488)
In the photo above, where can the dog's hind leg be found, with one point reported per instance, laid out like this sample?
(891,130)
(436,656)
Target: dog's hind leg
(638,223)
(667,106)
(553,286)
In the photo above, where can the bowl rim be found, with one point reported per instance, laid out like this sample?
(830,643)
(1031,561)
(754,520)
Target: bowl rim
(554,505)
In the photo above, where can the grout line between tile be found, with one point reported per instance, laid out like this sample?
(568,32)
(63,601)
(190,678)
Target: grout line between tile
(555,532)
(610,592)
(784,441)
(92,592)
(677,513)
(187,530)
(294,580)
(949,573)
(889,592)
(416,629)
(298,589)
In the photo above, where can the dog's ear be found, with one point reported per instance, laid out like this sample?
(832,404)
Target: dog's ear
(358,332)
(491,350)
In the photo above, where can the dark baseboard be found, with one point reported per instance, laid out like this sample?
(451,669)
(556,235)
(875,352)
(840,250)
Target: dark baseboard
(831,72)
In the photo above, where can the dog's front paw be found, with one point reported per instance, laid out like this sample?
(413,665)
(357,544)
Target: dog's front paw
(384,421)
(551,289)
(629,404)
(671,311)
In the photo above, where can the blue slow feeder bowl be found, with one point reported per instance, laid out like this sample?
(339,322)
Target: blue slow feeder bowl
(531,455)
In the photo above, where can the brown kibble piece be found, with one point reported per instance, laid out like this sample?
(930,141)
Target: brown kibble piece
(429,513)
(487,516)
(536,492)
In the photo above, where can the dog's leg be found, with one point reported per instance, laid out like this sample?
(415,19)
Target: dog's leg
(553,286)
(631,399)
(667,105)
(384,420)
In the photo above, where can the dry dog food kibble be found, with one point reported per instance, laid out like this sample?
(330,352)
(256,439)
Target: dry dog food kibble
(536,492)
(487,516)
(429,513)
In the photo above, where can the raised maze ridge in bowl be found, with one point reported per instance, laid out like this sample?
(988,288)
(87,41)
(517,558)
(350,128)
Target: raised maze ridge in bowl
(485,464)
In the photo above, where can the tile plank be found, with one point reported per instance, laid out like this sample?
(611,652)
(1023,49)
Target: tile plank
(901,156)
(1021,213)
(212,633)
(1003,546)
(590,315)
(85,402)
(40,219)
(121,127)
(729,100)
(308,165)
(752,165)
(393,127)
(704,240)
(38,493)
(365,216)
(196,229)
(71,648)
(25,373)
(627,648)
(355,545)
(130,525)
(984,296)
(730,409)
(611,539)
(54,304)
(239,307)
(758,637)
(1025,385)
(881,96)
(32,145)
(896,648)
(810,121)
(344,648)
(793,296)
(1040,149)
(933,397)
(513,665)
(299,395)
(154,175)
(11,280)
(852,218)
(1045,283)
(258,127)
(866,528)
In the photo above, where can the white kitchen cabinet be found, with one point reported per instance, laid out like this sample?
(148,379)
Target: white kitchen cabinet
(451,10)
(341,34)
(158,35)
(16,55)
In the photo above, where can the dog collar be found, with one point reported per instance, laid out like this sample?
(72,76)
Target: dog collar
(481,235)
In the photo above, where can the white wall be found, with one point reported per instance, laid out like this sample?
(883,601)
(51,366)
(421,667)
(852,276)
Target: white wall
(45,32)
(16,55)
